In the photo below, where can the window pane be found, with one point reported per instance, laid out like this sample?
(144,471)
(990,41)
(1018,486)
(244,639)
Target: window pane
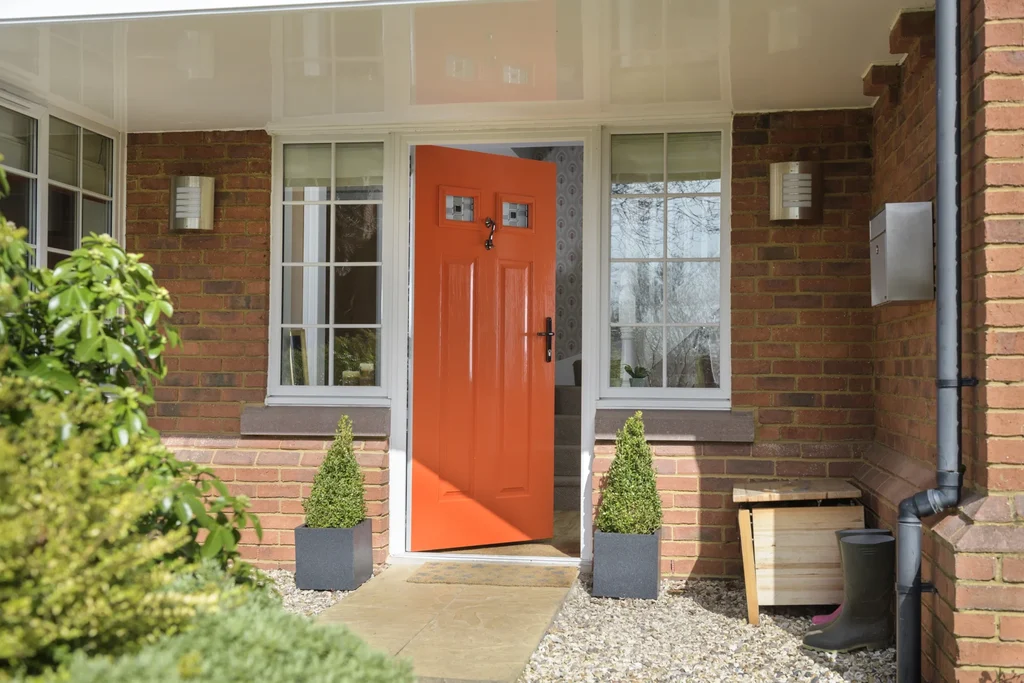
(96,216)
(304,296)
(638,228)
(17,140)
(61,231)
(307,172)
(638,164)
(359,168)
(356,295)
(53,258)
(636,292)
(304,357)
(695,227)
(694,289)
(97,163)
(639,348)
(695,162)
(63,152)
(305,233)
(357,233)
(19,205)
(693,357)
(355,358)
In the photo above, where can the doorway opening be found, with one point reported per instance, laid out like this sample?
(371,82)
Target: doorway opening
(490,480)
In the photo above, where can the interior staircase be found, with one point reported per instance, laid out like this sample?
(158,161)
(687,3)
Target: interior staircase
(567,448)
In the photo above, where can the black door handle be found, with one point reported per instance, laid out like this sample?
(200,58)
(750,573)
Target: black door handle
(548,335)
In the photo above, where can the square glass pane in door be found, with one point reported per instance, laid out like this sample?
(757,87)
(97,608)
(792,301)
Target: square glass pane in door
(638,227)
(460,209)
(637,292)
(304,294)
(515,215)
(64,151)
(694,355)
(18,206)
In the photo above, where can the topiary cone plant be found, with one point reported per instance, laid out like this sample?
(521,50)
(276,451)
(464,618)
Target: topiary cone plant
(627,558)
(333,549)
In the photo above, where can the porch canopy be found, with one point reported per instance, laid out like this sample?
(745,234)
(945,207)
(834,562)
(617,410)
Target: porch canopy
(216,64)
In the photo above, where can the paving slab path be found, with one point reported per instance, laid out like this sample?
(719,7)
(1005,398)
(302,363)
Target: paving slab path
(451,633)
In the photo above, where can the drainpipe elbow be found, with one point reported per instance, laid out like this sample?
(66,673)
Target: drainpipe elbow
(921,504)
(948,490)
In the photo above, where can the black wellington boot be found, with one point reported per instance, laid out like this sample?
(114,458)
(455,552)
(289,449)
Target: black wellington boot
(866,621)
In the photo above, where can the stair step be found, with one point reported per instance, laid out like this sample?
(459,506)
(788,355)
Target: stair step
(567,400)
(567,493)
(567,460)
(567,430)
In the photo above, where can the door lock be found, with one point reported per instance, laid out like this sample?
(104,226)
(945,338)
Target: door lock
(489,243)
(548,335)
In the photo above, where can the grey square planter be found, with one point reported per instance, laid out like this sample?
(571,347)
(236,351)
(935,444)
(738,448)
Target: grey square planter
(627,565)
(333,559)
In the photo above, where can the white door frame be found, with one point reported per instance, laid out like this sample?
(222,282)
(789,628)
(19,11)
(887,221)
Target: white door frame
(400,452)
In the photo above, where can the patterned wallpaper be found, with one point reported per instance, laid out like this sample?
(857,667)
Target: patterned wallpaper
(568,268)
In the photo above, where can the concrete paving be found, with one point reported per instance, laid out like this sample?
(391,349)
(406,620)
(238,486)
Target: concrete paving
(451,633)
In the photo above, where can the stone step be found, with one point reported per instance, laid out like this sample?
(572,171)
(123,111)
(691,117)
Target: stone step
(567,430)
(567,400)
(567,460)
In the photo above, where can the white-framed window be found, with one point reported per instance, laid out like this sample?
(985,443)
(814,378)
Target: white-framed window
(665,268)
(327,260)
(61,179)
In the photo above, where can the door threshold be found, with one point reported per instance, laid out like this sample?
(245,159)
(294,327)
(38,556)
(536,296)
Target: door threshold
(421,557)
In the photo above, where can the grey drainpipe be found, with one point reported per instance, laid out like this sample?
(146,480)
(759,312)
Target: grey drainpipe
(947,300)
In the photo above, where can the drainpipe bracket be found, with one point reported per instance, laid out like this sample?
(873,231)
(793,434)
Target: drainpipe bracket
(928,587)
(956,383)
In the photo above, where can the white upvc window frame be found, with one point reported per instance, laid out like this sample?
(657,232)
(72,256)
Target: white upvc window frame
(292,395)
(41,113)
(719,398)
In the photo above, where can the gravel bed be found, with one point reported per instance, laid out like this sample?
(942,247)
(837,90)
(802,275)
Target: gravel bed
(308,603)
(695,631)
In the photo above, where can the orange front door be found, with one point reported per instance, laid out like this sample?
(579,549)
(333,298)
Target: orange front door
(483,382)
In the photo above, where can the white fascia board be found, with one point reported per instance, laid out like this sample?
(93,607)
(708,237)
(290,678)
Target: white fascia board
(74,10)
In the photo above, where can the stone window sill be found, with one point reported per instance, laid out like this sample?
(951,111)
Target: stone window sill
(681,425)
(367,422)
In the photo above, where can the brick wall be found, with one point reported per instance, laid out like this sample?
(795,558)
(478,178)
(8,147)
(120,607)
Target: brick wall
(971,624)
(276,474)
(801,318)
(219,285)
(218,281)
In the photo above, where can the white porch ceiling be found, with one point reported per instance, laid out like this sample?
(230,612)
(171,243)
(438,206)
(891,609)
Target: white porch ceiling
(411,63)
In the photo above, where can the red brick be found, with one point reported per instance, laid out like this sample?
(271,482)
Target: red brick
(1011,628)
(1013,569)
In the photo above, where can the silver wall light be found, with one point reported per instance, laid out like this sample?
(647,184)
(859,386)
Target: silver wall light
(796,191)
(192,203)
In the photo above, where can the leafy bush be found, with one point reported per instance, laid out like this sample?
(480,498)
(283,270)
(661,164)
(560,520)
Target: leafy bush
(97,323)
(76,573)
(255,642)
(630,502)
(336,501)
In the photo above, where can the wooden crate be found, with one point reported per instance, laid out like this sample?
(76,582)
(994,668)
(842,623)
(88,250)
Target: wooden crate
(796,557)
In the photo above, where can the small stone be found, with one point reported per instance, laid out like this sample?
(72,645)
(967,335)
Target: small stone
(307,603)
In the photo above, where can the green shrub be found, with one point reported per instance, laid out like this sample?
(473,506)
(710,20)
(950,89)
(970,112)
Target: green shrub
(76,573)
(629,501)
(98,323)
(336,501)
(258,641)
